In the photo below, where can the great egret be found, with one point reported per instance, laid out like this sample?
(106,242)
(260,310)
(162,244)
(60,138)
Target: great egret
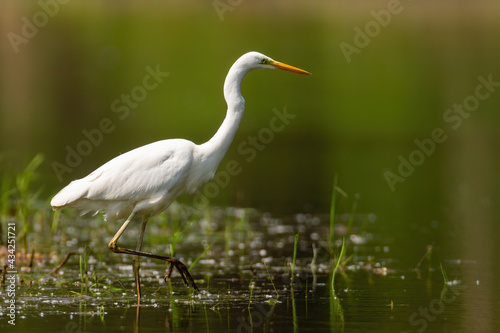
(146,180)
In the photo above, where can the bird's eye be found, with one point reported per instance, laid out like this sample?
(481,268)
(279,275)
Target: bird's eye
(264,61)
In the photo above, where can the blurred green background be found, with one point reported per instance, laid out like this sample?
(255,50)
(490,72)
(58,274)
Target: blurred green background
(352,118)
(355,118)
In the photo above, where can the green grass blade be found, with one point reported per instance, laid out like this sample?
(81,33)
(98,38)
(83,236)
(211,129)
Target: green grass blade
(272,282)
(332,213)
(443,272)
(199,257)
(351,216)
(337,264)
(295,243)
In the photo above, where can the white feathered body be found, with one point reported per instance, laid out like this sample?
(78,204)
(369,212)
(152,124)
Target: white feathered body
(145,180)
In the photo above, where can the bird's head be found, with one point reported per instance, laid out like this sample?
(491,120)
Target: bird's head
(256,60)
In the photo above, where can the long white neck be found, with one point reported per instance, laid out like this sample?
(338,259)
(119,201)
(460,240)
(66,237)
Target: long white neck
(215,149)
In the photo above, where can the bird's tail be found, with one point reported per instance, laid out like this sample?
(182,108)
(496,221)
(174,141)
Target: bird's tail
(68,195)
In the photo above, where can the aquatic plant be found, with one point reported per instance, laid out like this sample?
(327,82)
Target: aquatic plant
(176,236)
(199,257)
(331,239)
(24,197)
(272,300)
(443,273)
(83,262)
(353,212)
(333,204)
(295,243)
(338,259)
(337,264)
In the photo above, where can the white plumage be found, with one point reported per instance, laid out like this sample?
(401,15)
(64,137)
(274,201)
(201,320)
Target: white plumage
(146,180)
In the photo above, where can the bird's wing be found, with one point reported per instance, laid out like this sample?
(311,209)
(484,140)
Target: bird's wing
(159,167)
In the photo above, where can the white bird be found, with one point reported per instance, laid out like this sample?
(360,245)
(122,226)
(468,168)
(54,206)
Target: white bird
(146,180)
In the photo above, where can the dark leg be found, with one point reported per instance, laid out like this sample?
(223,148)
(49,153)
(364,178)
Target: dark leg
(181,268)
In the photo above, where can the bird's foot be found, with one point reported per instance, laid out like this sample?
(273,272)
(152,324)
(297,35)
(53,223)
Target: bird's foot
(183,271)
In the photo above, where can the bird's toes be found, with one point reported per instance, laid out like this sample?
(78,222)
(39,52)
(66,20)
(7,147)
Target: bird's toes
(183,272)
(186,276)
(169,272)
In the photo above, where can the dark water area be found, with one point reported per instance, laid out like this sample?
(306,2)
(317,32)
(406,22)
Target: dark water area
(357,309)
(250,256)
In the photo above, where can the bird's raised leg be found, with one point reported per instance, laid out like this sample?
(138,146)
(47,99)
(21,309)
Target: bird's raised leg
(181,268)
(137,264)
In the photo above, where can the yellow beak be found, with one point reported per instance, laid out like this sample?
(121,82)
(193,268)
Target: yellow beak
(288,68)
